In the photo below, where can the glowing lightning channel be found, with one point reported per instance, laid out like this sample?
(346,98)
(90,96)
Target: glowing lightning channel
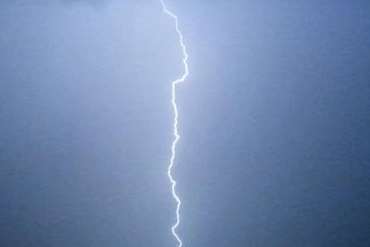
(175,120)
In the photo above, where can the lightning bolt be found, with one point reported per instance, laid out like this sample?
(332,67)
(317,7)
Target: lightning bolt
(176,134)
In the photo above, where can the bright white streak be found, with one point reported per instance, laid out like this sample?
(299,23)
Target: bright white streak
(175,120)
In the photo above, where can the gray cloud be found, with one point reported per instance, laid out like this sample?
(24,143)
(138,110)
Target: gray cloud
(92,2)
(44,2)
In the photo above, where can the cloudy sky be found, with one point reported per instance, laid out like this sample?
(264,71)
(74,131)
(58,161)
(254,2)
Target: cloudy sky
(274,117)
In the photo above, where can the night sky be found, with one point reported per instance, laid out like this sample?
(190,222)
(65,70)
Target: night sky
(274,118)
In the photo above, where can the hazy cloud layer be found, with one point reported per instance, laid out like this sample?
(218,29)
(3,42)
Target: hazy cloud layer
(92,2)
(42,2)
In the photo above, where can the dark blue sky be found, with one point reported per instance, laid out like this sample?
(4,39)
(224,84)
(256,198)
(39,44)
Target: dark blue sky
(275,117)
